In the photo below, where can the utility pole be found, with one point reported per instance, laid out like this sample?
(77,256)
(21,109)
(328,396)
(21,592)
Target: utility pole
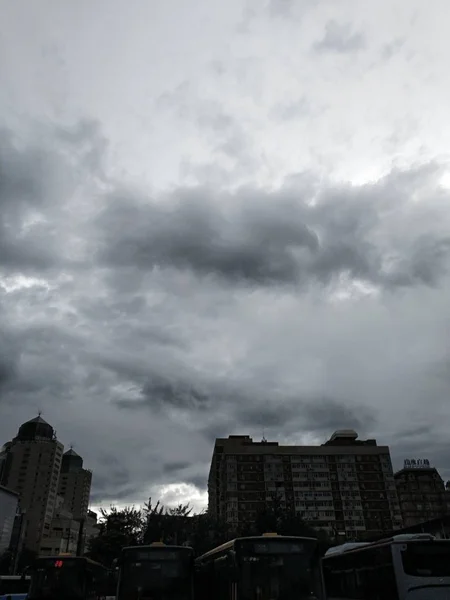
(68,539)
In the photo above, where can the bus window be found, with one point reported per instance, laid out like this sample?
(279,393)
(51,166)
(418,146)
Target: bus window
(428,559)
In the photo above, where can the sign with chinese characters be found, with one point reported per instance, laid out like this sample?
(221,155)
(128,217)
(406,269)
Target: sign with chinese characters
(420,463)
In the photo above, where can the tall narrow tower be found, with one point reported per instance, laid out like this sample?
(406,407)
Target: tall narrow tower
(75,484)
(30,466)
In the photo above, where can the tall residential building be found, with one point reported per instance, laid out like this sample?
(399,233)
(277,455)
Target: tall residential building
(9,502)
(31,465)
(421,492)
(75,484)
(345,486)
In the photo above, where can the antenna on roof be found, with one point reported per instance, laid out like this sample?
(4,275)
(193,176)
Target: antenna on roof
(264,435)
(39,412)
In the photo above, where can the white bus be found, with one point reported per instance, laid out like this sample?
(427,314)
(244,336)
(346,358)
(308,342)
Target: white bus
(403,567)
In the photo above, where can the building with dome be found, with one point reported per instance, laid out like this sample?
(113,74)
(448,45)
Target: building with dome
(75,484)
(30,466)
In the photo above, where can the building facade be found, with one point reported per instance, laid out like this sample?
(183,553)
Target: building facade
(30,467)
(75,484)
(422,493)
(63,536)
(345,486)
(9,503)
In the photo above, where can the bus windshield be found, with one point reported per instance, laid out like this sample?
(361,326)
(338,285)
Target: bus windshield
(427,559)
(60,579)
(162,572)
(276,570)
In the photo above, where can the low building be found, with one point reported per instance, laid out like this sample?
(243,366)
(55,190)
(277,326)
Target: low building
(9,502)
(91,530)
(421,492)
(64,532)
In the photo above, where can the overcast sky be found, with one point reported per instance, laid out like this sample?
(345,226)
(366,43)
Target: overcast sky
(220,218)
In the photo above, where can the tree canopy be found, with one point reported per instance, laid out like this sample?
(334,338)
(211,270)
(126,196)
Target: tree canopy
(179,526)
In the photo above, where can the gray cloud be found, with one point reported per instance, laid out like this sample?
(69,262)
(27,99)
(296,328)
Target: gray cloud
(268,239)
(319,416)
(176,466)
(161,392)
(392,48)
(280,8)
(326,415)
(191,317)
(340,38)
(33,178)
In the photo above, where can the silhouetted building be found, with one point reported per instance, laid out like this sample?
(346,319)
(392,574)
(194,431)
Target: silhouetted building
(75,484)
(421,492)
(30,467)
(9,502)
(63,534)
(345,486)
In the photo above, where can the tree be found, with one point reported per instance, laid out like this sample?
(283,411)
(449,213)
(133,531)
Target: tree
(118,528)
(171,525)
(207,532)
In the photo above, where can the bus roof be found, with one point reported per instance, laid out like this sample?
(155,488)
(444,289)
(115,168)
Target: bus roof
(231,543)
(396,539)
(64,556)
(157,547)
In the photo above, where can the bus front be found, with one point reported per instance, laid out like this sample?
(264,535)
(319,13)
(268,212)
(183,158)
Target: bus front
(56,578)
(276,568)
(156,572)
(423,569)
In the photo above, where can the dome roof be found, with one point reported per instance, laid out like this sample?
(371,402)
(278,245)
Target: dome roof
(37,428)
(71,461)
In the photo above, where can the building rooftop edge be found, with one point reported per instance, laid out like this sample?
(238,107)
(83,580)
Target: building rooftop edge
(7,490)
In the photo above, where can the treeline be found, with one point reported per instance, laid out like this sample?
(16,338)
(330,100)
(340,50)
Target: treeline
(180,526)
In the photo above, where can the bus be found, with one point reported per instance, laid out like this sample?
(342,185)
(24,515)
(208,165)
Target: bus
(267,567)
(403,567)
(15,586)
(157,571)
(68,577)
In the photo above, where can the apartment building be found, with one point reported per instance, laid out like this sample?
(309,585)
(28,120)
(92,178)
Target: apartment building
(30,466)
(422,493)
(345,486)
(75,484)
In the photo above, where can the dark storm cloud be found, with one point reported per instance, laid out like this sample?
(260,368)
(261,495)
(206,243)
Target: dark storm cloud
(282,237)
(325,415)
(8,369)
(33,180)
(81,350)
(24,177)
(422,446)
(199,481)
(317,415)
(175,466)
(193,234)
(161,391)
(339,38)
(9,359)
